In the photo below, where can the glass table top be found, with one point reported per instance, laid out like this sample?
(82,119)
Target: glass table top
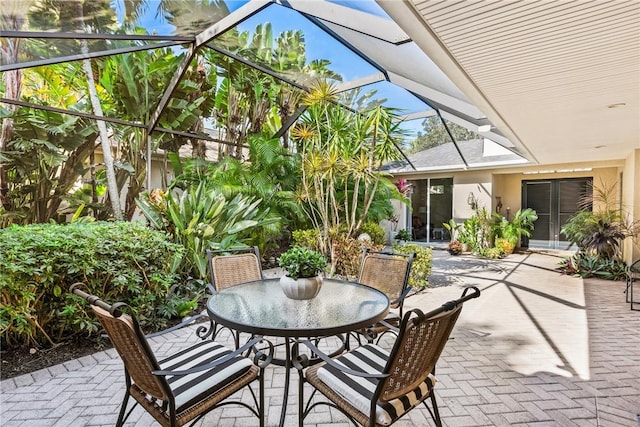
(263,308)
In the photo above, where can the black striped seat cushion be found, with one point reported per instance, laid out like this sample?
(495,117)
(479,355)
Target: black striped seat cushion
(358,391)
(191,388)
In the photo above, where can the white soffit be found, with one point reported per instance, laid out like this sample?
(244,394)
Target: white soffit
(547,70)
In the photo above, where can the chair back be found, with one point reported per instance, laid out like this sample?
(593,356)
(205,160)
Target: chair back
(129,341)
(416,351)
(387,272)
(633,271)
(232,267)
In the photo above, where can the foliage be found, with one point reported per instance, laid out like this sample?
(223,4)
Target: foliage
(600,231)
(403,235)
(307,238)
(119,261)
(478,231)
(491,235)
(506,246)
(375,231)
(491,253)
(468,232)
(452,227)
(587,265)
(302,262)
(521,225)
(421,267)
(342,153)
(347,254)
(44,159)
(579,228)
(454,247)
(201,218)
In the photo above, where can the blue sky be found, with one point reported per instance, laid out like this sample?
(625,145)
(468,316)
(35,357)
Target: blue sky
(318,44)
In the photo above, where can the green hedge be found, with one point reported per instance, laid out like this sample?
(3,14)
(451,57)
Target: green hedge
(119,261)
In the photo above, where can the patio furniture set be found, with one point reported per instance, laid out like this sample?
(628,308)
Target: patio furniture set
(370,384)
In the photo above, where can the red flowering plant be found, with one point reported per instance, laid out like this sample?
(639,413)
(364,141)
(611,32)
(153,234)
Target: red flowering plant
(404,187)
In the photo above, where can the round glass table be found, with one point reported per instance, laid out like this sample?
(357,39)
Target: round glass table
(262,308)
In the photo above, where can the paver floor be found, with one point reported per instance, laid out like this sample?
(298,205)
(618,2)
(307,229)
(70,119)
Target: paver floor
(536,349)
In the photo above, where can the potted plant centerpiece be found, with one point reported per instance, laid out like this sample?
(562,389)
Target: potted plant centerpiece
(303,267)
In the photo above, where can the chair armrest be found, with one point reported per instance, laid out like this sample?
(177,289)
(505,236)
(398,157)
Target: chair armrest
(185,322)
(213,364)
(301,361)
(389,326)
(401,297)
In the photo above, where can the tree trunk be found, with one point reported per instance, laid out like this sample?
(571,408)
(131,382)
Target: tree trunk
(12,81)
(112,185)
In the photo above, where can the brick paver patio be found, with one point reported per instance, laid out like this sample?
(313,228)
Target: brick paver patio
(536,349)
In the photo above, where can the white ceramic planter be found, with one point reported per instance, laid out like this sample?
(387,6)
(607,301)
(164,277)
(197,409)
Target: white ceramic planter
(302,288)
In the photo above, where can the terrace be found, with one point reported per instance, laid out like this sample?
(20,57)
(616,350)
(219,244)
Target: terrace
(509,362)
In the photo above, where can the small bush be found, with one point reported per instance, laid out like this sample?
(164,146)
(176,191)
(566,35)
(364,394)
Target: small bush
(588,265)
(307,239)
(421,267)
(346,254)
(403,235)
(118,261)
(375,231)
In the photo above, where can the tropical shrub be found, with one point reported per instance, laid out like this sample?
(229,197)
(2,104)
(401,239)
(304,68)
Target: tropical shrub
(342,153)
(421,267)
(120,261)
(307,238)
(520,225)
(375,231)
(346,253)
(598,230)
(491,253)
(200,219)
(590,265)
(403,235)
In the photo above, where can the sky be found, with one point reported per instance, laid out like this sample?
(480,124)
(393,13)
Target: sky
(319,45)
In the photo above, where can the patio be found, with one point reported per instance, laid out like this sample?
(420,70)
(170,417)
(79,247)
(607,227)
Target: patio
(537,348)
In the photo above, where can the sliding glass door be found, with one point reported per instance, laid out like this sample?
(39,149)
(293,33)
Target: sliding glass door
(432,204)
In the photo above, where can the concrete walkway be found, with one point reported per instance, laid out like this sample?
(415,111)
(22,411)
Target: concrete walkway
(536,349)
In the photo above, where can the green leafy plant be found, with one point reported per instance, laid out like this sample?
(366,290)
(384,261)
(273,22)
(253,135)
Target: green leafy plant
(421,266)
(375,231)
(468,233)
(591,265)
(120,261)
(452,227)
(201,218)
(302,262)
(491,253)
(309,238)
(521,225)
(403,235)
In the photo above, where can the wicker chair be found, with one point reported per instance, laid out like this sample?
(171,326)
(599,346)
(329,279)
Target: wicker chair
(633,275)
(184,386)
(389,273)
(233,267)
(375,387)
